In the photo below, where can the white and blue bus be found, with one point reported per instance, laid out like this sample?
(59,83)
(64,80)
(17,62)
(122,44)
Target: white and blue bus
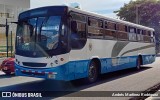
(63,43)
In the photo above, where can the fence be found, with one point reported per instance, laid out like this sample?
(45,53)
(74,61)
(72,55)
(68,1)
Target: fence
(3,44)
(3,51)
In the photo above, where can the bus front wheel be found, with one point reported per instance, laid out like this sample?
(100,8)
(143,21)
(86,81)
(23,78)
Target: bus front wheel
(92,72)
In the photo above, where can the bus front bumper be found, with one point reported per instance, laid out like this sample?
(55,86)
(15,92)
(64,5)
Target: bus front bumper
(55,73)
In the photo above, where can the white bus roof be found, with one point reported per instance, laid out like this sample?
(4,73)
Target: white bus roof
(110,19)
(103,17)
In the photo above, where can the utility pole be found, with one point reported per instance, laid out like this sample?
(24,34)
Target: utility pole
(11,44)
(7,28)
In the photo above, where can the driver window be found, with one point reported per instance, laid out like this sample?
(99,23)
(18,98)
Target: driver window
(78,33)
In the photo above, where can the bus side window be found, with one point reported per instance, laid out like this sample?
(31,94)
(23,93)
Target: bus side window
(152,37)
(95,28)
(78,34)
(132,34)
(144,35)
(126,28)
(110,30)
(81,30)
(122,34)
(138,35)
(147,36)
(108,34)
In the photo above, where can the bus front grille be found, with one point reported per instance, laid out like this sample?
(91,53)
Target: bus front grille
(29,64)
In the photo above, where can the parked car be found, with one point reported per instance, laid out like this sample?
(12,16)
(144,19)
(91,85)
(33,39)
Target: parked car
(7,66)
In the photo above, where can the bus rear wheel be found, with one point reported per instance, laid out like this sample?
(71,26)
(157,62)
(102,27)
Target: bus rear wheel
(139,63)
(92,72)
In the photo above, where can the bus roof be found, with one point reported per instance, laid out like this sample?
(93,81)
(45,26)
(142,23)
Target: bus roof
(99,16)
(109,18)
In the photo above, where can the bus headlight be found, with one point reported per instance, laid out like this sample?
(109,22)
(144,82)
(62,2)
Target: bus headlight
(17,61)
(56,61)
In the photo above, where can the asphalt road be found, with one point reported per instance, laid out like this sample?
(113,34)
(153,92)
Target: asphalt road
(126,80)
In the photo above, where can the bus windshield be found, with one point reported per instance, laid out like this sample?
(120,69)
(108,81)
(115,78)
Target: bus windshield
(40,33)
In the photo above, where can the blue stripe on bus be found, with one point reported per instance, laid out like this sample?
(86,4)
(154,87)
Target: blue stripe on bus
(79,69)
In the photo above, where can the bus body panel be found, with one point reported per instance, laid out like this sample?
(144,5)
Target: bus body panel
(76,64)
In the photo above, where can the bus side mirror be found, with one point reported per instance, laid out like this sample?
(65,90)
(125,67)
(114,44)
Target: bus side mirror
(74,26)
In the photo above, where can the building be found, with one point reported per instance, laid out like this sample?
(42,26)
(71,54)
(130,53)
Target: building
(10,9)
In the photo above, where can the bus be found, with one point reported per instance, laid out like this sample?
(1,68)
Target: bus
(64,43)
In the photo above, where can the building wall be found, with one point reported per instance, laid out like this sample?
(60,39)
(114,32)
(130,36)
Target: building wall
(10,9)
(18,3)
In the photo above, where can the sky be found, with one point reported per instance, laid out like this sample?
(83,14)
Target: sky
(104,7)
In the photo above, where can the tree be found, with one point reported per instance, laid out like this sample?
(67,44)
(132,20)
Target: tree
(147,12)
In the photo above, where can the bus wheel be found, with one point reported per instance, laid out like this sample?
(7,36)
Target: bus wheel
(139,62)
(8,73)
(92,72)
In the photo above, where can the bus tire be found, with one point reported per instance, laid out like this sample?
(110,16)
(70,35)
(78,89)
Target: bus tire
(92,72)
(139,63)
(8,73)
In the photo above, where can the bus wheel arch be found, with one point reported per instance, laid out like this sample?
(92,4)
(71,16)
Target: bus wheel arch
(98,62)
(94,69)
